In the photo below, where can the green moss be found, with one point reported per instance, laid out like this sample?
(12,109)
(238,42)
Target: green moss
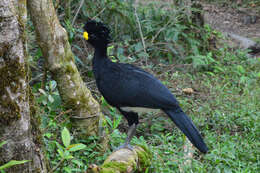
(112,167)
(69,68)
(35,120)
(10,73)
(144,156)
(68,53)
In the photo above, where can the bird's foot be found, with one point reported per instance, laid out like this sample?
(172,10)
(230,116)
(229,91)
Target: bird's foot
(126,146)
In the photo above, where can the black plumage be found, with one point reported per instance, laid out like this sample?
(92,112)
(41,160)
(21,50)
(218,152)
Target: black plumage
(128,88)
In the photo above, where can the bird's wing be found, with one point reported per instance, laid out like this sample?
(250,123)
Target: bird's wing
(138,88)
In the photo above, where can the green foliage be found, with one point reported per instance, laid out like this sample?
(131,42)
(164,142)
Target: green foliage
(12,163)
(2,143)
(116,13)
(65,152)
(202,61)
(70,29)
(65,136)
(114,119)
(169,33)
(50,96)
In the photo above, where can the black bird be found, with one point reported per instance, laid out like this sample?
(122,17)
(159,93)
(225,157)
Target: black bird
(129,88)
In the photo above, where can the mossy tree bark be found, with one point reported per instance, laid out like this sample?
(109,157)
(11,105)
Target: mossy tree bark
(53,40)
(18,124)
(125,161)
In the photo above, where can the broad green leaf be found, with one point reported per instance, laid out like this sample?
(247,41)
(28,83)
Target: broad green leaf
(76,147)
(12,163)
(44,102)
(109,121)
(48,135)
(241,69)
(210,73)
(2,143)
(77,162)
(138,47)
(218,69)
(61,153)
(42,91)
(50,98)
(53,84)
(114,60)
(65,135)
(66,154)
(116,122)
(69,157)
(110,49)
(258,74)
(67,169)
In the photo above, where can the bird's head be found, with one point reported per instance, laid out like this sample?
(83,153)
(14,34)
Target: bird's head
(96,33)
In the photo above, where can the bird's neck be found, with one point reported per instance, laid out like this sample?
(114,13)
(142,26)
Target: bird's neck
(100,52)
(100,61)
(100,57)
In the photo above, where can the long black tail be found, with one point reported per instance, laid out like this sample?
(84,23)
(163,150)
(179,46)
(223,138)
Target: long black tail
(188,128)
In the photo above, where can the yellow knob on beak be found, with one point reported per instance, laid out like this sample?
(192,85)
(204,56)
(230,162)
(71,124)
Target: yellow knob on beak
(85,35)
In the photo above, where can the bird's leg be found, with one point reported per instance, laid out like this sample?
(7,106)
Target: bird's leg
(130,134)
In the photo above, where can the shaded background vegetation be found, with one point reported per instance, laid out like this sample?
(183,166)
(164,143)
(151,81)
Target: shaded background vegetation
(184,52)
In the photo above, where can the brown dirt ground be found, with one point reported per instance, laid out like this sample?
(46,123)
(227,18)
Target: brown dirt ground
(233,20)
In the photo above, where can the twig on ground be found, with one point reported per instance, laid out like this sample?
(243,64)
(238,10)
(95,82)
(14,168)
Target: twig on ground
(76,15)
(99,13)
(160,30)
(141,33)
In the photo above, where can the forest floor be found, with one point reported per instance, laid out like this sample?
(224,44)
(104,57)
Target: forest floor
(241,22)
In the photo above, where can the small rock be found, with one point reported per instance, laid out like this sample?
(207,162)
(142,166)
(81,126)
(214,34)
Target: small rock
(188,90)
(226,22)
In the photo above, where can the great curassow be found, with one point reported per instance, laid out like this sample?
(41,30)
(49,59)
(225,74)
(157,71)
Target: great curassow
(130,89)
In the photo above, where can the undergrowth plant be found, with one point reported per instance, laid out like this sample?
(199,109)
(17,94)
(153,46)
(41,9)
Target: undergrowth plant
(65,152)
(169,31)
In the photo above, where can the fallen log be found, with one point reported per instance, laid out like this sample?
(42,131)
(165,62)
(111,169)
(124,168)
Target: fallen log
(125,161)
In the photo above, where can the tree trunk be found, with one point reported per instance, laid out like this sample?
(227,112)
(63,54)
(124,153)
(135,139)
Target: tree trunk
(18,126)
(53,40)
